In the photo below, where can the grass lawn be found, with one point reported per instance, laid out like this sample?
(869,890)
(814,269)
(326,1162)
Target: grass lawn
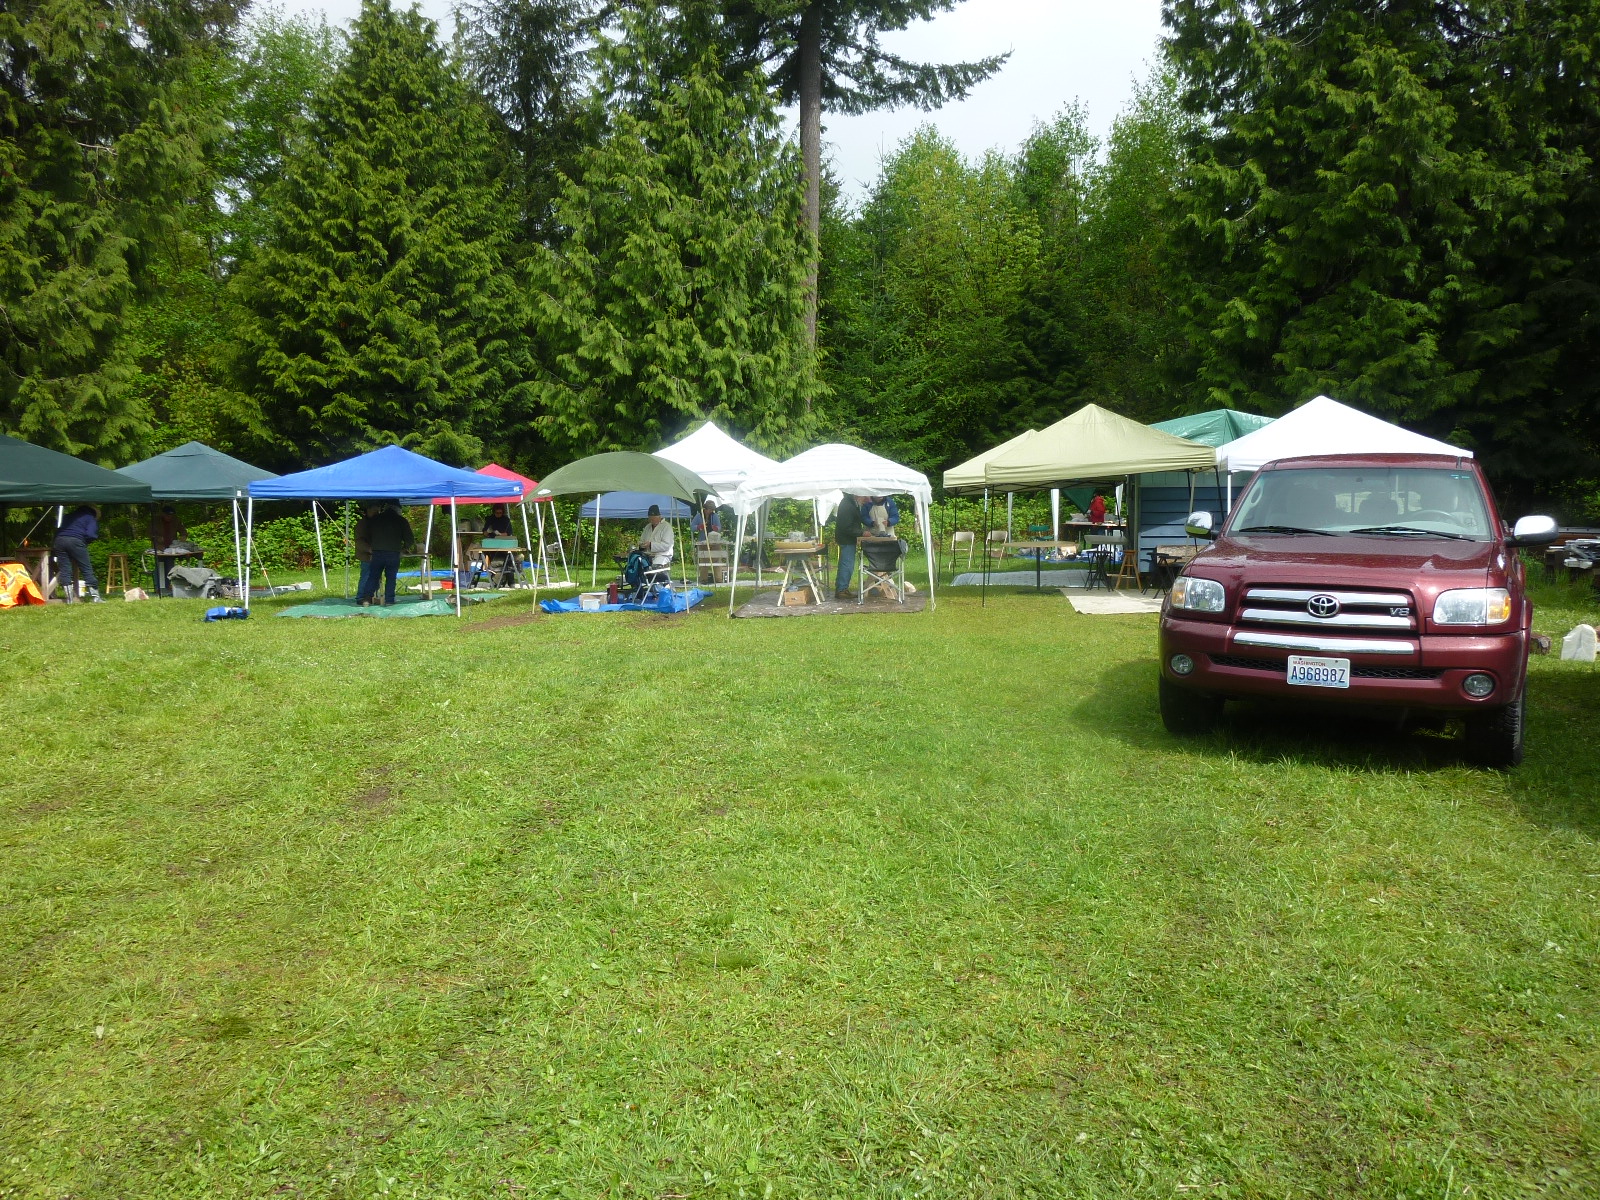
(637,906)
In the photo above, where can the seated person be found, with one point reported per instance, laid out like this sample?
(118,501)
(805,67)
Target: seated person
(880,514)
(656,538)
(498,523)
(707,520)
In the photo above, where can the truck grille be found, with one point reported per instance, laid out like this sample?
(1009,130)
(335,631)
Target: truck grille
(1329,610)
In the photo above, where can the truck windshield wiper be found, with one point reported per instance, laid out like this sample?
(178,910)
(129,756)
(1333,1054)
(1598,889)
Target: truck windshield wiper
(1412,531)
(1282,529)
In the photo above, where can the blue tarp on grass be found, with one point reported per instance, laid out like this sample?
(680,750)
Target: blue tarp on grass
(666,602)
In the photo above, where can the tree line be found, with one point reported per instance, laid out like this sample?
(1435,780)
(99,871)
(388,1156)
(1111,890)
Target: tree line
(574,227)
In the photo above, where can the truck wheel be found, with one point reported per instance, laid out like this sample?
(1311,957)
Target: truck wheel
(1187,712)
(1494,739)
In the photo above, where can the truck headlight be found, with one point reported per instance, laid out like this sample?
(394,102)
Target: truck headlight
(1197,595)
(1472,606)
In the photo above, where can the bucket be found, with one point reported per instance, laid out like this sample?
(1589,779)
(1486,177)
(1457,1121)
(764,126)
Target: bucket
(591,601)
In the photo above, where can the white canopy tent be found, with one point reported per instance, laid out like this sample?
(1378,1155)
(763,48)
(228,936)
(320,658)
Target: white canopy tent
(720,460)
(1324,426)
(824,475)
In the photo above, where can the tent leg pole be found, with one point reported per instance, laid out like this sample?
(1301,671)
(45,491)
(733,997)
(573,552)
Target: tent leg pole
(426,575)
(984,602)
(238,553)
(534,564)
(346,553)
(733,575)
(594,569)
(561,546)
(249,546)
(455,555)
(322,559)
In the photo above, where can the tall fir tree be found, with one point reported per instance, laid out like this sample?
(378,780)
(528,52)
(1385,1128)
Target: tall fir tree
(825,54)
(679,292)
(530,59)
(103,129)
(380,306)
(1394,203)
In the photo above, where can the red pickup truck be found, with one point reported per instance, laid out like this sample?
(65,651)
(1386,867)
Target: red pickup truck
(1381,580)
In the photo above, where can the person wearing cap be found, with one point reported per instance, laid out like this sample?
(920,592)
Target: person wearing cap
(707,519)
(656,538)
(72,550)
(389,534)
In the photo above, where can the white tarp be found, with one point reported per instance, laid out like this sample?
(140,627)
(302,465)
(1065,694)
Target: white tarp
(1324,426)
(824,474)
(720,460)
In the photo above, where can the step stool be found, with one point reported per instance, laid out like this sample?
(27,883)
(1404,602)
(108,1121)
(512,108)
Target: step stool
(116,573)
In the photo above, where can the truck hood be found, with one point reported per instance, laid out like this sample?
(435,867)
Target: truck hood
(1414,564)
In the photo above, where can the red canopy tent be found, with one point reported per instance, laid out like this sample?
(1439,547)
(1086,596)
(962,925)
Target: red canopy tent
(529,486)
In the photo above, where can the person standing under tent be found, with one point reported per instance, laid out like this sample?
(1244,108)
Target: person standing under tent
(390,534)
(1097,510)
(165,528)
(72,550)
(363,540)
(656,538)
(707,520)
(847,529)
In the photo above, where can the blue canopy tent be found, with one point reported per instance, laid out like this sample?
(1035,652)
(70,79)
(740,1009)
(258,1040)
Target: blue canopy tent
(391,472)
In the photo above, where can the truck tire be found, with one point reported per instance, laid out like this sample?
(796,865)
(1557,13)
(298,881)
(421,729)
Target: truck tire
(1494,738)
(1187,712)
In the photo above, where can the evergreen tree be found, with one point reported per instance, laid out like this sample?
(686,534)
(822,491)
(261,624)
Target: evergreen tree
(925,350)
(1395,204)
(103,124)
(380,306)
(680,290)
(530,58)
(825,54)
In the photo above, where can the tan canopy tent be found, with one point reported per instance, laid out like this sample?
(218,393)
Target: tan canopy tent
(1092,445)
(968,477)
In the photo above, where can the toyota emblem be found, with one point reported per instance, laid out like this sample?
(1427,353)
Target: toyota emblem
(1323,606)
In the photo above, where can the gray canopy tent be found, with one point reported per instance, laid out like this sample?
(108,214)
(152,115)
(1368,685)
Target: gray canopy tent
(194,472)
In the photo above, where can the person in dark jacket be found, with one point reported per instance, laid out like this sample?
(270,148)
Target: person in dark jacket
(847,527)
(388,533)
(498,523)
(72,550)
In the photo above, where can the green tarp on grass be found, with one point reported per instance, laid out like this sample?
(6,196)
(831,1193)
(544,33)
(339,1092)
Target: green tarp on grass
(408,606)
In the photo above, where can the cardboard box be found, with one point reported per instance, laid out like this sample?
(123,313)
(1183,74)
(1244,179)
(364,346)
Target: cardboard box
(800,595)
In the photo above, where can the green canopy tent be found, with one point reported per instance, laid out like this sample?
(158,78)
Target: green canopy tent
(624,471)
(31,474)
(968,478)
(194,472)
(1214,428)
(1217,427)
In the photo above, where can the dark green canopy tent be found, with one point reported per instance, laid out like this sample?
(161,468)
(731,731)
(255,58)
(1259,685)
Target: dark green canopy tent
(31,474)
(195,472)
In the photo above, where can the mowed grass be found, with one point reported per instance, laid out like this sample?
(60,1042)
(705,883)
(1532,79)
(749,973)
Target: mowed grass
(636,906)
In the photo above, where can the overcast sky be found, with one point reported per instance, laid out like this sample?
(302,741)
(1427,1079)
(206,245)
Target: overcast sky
(1091,51)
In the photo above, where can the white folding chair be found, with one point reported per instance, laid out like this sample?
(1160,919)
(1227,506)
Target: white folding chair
(963,537)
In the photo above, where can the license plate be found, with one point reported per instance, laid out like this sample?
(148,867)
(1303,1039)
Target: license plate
(1308,671)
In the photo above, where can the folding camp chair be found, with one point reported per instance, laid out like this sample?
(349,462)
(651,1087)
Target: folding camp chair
(962,537)
(883,567)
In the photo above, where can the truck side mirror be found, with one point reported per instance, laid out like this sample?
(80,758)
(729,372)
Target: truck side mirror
(1533,531)
(1200,525)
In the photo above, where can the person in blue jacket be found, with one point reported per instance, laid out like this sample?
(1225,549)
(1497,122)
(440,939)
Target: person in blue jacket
(72,551)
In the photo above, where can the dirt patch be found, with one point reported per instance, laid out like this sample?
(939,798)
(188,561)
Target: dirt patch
(379,793)
(494,623)
(40,808)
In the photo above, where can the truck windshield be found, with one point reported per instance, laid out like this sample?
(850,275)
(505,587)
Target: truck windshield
(1392,502)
